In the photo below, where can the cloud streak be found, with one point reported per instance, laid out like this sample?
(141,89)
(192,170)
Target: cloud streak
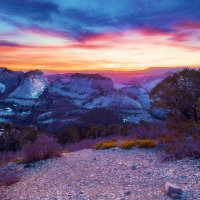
(88,18)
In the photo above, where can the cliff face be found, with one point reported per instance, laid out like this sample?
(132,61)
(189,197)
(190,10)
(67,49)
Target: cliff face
(90,81)
(9,80)
(32,85)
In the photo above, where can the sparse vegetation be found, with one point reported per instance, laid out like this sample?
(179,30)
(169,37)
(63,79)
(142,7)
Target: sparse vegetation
(17,161)
(146,143)
(65,151)
(182,107)
(108,145)
(43,148)
(105,145)
(127,144)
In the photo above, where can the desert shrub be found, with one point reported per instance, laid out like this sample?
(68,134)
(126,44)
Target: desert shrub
(107,132)
(178,146)
(123,130)
(104,145)
(29,135)
(17,161)
(10,141)
(127,144)
(108,145)
(114,140)
(196,136)
(43,148)
(113,129)
(65,151)
(178,149)
(68,135)
(146,143)
(165,139)
(97,146)
(146,130)
(6,157)
(8,176)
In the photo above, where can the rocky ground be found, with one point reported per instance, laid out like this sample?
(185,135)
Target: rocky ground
(136,174)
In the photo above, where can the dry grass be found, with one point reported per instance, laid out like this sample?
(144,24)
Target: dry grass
(17,161)
(105,145)
(108,145)
(146,143)
(127,144)
(65,151)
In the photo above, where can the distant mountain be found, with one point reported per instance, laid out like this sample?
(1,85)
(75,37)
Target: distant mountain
(64,77)
(67,99)
(91,91)
(149,82)
(32,85)
(158,70)
(120,77)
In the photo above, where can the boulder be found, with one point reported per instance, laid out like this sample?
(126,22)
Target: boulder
(172,189)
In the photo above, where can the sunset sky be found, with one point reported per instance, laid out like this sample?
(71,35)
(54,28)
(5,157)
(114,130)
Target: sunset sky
(120,35)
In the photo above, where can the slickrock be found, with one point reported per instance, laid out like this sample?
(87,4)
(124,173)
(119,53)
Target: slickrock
(78,176)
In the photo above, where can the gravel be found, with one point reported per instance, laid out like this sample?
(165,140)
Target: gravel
(136,174)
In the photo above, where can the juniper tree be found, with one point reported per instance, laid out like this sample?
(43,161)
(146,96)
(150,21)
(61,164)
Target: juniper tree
(178,95)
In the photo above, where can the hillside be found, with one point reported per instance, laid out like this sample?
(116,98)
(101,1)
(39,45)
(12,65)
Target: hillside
(106,174)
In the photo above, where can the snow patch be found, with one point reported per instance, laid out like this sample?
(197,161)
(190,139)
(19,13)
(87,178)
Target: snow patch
(22,102)
(120,86)
(2,88)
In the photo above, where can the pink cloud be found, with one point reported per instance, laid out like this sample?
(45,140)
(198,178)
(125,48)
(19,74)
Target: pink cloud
(147,31)
(187,25)
(180,37)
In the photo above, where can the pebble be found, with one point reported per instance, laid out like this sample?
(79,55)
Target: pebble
(127,192)
(134,167)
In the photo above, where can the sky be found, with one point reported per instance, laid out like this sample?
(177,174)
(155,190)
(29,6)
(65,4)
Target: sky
(99,35)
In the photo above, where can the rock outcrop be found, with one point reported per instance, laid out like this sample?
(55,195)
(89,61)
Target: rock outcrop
(9,80)
(88,82)
(32,85)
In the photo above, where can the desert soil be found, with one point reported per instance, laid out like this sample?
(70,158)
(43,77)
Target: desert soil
(136,174)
